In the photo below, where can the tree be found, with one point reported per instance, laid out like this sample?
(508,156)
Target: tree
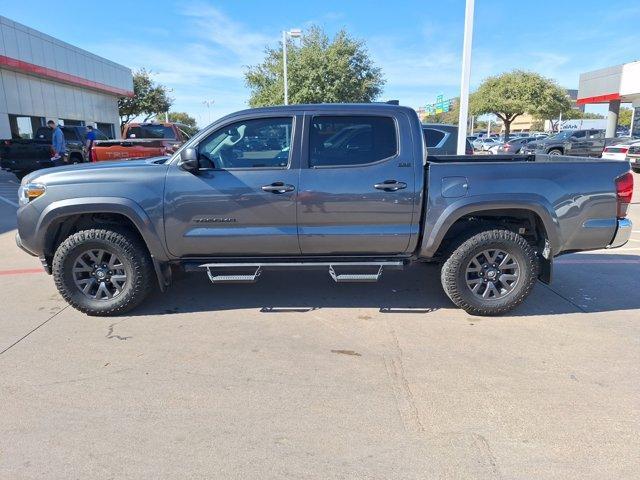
(148,99)
(510,95)
(552,103)
(624,119)
(319,70)
(181,117)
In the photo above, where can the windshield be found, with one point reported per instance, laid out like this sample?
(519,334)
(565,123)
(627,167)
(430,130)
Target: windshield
(151,131)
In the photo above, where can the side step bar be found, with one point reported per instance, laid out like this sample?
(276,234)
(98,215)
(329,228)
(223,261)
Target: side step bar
(337,277)
(234,278)
(355,277)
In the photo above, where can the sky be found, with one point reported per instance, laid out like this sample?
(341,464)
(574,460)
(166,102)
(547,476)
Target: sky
(200,49)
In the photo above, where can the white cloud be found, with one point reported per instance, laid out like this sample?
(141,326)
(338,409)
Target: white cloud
(214,27)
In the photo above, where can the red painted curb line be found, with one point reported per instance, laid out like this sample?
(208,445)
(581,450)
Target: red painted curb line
(21,271)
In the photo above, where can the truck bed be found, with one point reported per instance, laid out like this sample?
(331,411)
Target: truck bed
(574,198)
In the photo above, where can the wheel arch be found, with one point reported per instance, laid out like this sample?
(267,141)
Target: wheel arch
(63,218)
(462,219)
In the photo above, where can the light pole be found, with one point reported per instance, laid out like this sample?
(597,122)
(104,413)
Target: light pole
(293,33)
(208,103)
(465,77)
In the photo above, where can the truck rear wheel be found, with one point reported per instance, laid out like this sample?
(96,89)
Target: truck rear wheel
(555,151)
(103,272)
(490,273)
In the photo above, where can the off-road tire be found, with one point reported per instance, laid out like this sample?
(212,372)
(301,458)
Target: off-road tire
(129,249)
(453,273)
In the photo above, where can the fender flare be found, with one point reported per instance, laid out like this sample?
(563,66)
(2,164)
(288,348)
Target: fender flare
(118,205)
(468,205)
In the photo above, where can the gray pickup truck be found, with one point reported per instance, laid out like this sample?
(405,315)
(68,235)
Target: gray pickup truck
(345,188)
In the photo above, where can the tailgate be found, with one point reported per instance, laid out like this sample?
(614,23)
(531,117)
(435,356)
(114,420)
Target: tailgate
(24,155)
(119,149)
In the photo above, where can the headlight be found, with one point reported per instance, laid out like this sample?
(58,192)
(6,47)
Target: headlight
(30,191)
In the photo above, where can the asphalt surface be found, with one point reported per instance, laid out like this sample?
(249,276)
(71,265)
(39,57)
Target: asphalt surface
(297,377)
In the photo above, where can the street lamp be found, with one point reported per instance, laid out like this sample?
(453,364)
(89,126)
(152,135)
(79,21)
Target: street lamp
(208,104)
(293,33)
(465,77)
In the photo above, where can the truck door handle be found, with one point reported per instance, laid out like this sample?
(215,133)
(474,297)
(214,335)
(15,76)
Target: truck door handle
(278,187)
(390,185)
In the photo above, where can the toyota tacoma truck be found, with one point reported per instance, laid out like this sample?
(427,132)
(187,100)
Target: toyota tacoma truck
(345,188)
(141,140)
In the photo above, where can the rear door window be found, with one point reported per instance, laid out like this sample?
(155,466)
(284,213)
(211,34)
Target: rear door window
(433,137)
(351,140)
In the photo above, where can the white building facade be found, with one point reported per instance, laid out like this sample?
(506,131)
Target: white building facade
(43,78)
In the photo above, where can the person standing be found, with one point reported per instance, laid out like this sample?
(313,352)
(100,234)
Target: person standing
(57,141)
(91,138)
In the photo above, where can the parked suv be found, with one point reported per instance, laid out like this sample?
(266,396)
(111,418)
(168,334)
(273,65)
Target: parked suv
(583,143)
(442,139)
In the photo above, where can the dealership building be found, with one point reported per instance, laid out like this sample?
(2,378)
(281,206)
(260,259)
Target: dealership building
(44,78)
(613,86)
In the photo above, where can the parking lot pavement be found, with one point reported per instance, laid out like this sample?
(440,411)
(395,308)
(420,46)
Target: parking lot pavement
(297,377)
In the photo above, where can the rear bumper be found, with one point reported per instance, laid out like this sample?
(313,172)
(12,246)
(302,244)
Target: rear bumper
(623,233)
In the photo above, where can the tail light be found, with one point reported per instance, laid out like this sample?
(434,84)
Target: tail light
(616,150)
(624,192)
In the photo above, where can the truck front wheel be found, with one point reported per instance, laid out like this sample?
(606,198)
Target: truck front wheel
(103,272)
(490,273)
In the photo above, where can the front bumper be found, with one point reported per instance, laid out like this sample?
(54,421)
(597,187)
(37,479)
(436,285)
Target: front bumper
(22,247)
(43,260)
(623,233)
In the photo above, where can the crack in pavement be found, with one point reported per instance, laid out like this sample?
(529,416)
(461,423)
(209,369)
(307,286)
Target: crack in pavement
(34,329)
(110,333)
(566,299)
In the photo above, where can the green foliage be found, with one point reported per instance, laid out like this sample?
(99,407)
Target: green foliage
(148,98)
(319,71)
(189,123)
(624,119)
(574,114)
(511,94)
(552,103)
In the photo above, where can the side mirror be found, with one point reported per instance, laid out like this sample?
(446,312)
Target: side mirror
(189,160)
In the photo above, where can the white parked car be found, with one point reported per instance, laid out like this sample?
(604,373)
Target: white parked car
(485,144)
(496,149)
(619,151)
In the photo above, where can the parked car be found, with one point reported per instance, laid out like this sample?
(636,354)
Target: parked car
(633,155)
(486,143)
(141,140)
(354,209)
(513,145)
(619,151)
(442,139)
(22,156)
(586,143)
